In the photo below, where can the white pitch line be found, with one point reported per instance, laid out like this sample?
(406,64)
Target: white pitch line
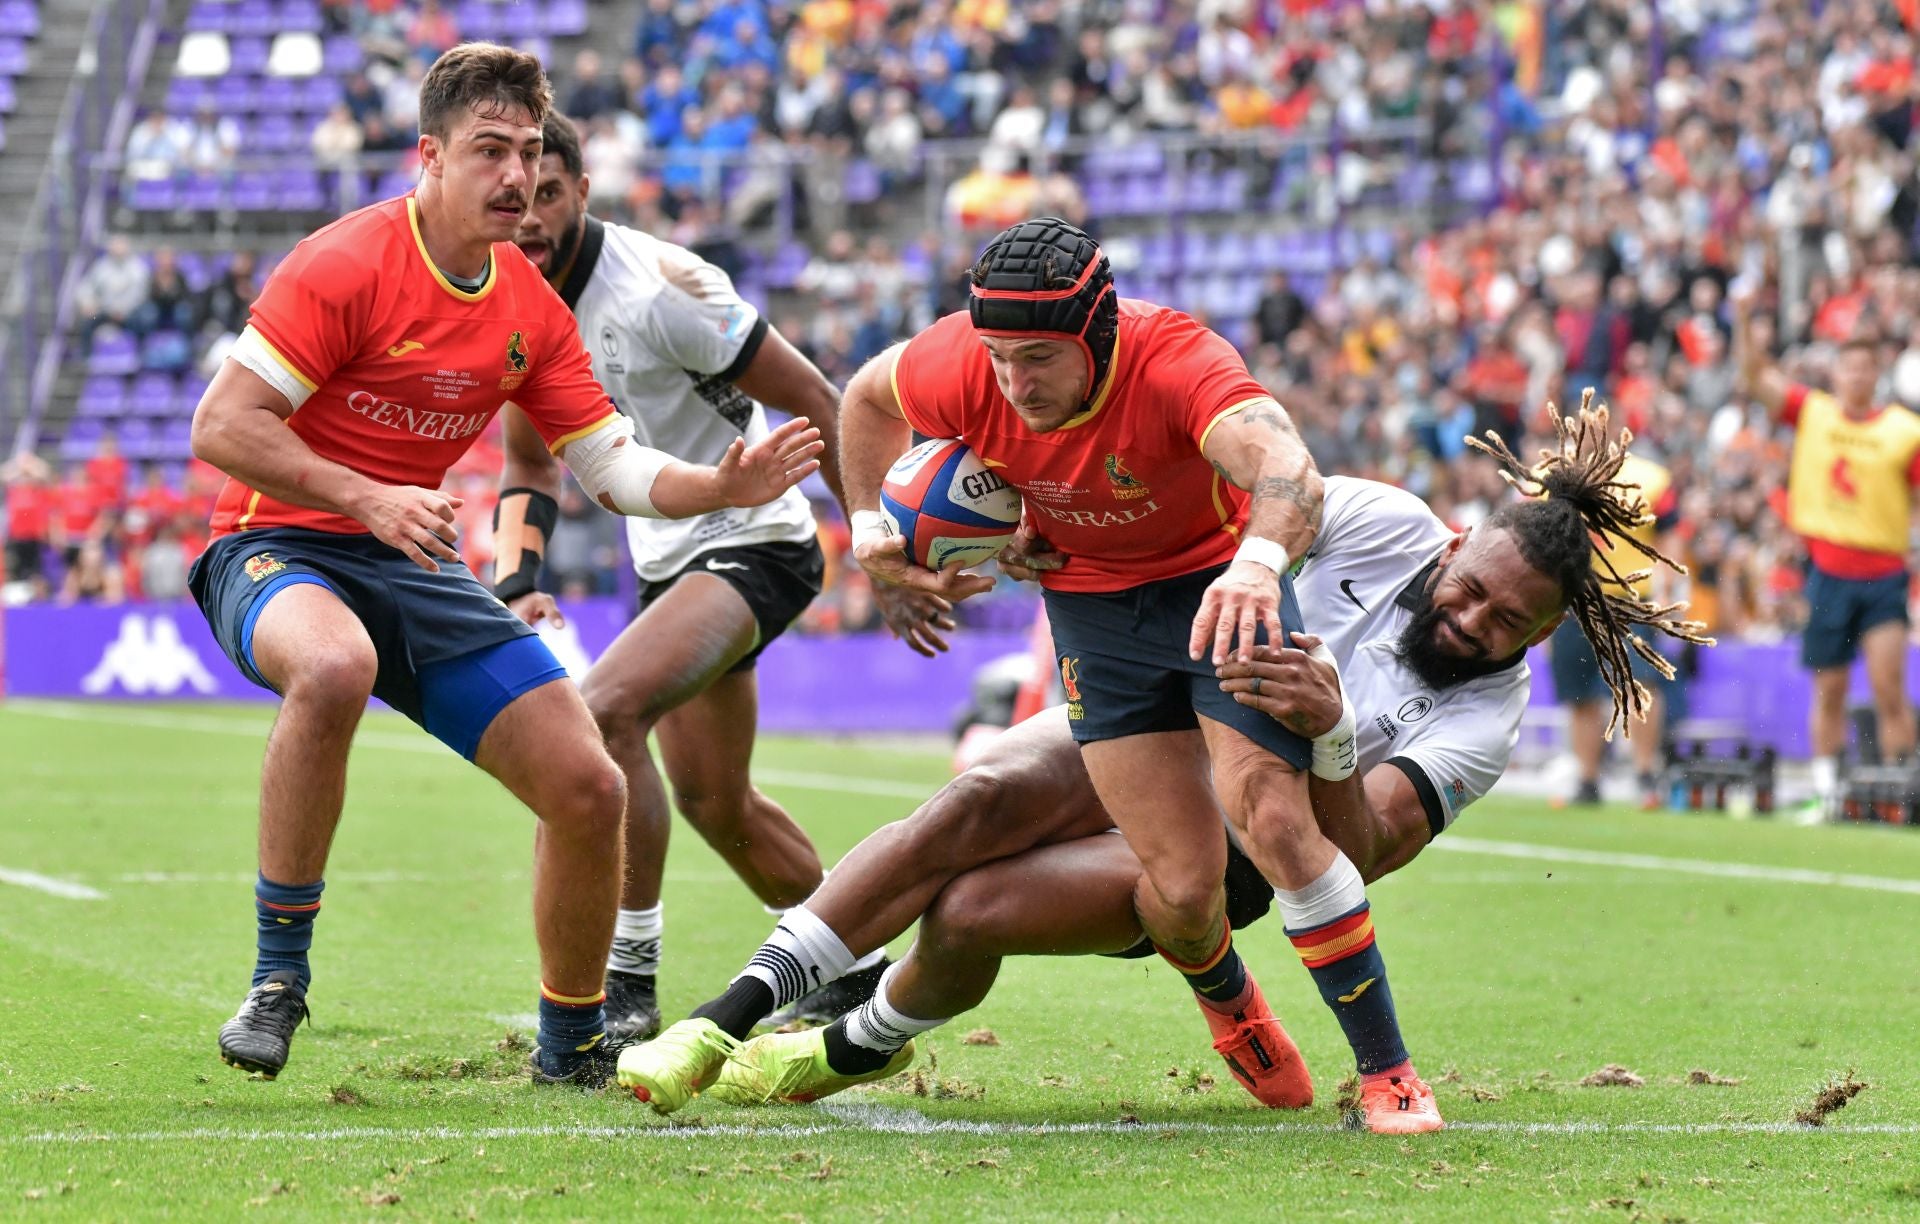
(896,1121)
(1653,862)
(401,742)
(51,886)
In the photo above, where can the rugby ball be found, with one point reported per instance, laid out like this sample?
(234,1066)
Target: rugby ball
(952,508)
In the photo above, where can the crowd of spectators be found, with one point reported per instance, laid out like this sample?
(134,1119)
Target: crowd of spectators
(1645,160)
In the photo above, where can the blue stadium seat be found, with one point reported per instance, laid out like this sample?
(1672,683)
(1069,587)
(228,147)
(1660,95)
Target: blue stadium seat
(175,442)
(320,94)
(232,95)
(276,96)
(13,57)
(136,439)
(253,192)
(203,193)
(152,195)
(342,54)
(254,19)
(81,440)
(301,15)
(565,18)
(166,350)
(300,191)
(248,56)
(151,394)
(19,19)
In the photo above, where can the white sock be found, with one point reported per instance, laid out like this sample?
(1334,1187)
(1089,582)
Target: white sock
(1339,890)
(878,1025)
(801,955)
(1826,776)
(869,960)
(636,941)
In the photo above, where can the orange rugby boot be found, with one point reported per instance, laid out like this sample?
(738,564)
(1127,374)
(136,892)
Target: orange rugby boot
(1399,1106)
(1259,1053)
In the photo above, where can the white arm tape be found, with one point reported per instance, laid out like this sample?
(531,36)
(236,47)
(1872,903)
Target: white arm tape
(253,352)
(1269,553)
(868,525)
(614,470)
(1335,754)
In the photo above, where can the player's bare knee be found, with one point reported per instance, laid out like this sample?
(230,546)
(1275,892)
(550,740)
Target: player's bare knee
(1192,901)
(335,678)
(963,918)
(969,817)
(591,802)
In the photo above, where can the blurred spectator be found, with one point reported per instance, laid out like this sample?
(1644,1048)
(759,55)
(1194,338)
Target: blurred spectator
(224,306)
(213,141)
(29,506)
(157,147)
(592,94)
(432,32)
(337,139)
(114,287)
(170,303)
(1280,310)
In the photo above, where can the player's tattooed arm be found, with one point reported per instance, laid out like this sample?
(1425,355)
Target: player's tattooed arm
(1259,450)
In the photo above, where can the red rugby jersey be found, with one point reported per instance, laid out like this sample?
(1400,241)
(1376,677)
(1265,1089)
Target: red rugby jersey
(1123,489)
(404,368)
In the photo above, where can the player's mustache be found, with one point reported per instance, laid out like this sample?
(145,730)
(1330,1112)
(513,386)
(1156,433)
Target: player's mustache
(512,199)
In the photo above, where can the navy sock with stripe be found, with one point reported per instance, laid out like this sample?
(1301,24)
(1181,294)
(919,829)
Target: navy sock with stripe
(283,917)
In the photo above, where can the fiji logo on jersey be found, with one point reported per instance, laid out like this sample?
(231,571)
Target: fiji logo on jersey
(263,566)
(516,362)
(1126,485)
(1070,680)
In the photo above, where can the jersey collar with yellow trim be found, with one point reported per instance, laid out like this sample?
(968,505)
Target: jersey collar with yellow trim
(420,244)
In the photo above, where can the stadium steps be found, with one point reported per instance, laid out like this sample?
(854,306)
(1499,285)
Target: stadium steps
(35,123)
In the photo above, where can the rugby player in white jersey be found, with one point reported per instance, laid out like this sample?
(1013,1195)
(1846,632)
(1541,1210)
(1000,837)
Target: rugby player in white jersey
(691,363)
(1420,656)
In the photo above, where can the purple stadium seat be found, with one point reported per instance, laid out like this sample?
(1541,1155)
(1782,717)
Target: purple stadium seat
(19,19)
(320,94)
(342,54)
(152,195)
(136,439)
(254,193)
(232,95)
(519,21)
(477,19)
(13,57)
(204,193)
(175,441)
(185,94)
(1233,189)
(301,15)
(186,397)
(114,352)
(209,15)
(538,47)
(1099,195)
(564,18)
(862,182)
(248,56)
(254,19)
(393,184)
(194,270)
(276,96)
(81,440)
(299,191)
(151,395)
(8,100)
(787,266)
(166,350)
(101,397)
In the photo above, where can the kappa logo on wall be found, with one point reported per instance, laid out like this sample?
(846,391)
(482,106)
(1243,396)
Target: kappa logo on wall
(148,656)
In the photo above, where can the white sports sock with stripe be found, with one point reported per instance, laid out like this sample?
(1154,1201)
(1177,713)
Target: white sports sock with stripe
(801,955)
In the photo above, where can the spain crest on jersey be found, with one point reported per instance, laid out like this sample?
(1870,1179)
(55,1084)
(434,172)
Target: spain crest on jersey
(1125,484)
(516,362)
(262,566)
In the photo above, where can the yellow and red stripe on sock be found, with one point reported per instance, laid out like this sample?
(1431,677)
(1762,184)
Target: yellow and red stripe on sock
(1213,958)
(1343,937)
(553,996)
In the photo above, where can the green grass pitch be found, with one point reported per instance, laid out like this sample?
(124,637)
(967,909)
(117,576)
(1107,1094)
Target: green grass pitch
(1539,947)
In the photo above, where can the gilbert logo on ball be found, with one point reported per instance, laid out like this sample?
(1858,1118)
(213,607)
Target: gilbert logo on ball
(952,508)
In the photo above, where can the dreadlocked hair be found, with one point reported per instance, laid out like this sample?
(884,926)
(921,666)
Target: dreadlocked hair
(1576,500)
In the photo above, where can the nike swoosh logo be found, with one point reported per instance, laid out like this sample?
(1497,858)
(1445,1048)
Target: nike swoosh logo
(725,565)
(1346,588)
(404,347)
(1358,990)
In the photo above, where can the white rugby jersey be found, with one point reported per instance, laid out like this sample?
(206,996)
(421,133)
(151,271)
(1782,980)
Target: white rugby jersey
(668,335)
(1355,587)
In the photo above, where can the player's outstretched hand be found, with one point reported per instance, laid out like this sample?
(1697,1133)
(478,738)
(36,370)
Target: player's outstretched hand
(1234,608)
(1298,690)
(885,560)
(537,606)
(1027,554)
(918,618)
(418,522)
(755,475)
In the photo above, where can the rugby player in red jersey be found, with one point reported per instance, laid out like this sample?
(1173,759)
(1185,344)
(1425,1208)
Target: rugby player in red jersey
(379,350)
(1179,493)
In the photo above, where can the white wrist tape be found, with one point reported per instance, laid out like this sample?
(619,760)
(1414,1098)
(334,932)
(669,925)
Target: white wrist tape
(867,526)
(614,470)
(1265,552)
(1336,753)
